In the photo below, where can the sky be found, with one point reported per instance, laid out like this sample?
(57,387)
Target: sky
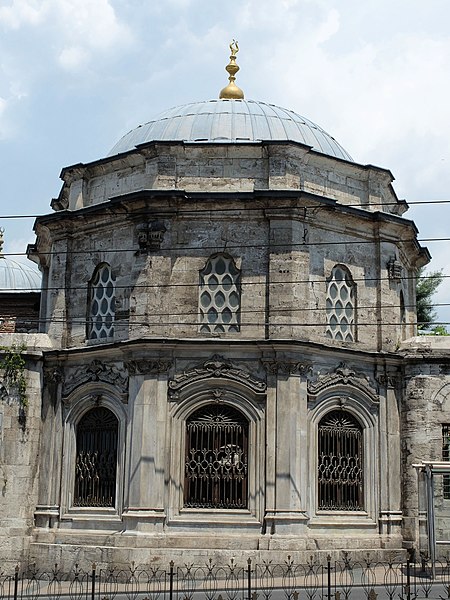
(76,75)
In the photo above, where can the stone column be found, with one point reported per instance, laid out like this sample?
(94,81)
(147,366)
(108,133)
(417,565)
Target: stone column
(144,478)
(390,464)
(288,517)
(50,455)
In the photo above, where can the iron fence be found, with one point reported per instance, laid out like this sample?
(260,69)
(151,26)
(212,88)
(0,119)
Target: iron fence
(332,580)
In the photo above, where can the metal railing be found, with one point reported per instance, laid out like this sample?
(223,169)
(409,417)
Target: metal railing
(330,580)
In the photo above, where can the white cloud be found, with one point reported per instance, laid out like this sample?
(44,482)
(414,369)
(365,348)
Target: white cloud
(73,58)
(3,104)
(74,29)
(20,12)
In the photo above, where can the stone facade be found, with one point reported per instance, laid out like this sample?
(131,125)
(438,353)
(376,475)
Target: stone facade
(263,282)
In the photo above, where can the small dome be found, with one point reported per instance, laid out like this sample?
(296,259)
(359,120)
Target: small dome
(18,278)
(231,121)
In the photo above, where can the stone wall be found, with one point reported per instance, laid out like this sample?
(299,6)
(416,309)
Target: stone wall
(19,450)
(425,409)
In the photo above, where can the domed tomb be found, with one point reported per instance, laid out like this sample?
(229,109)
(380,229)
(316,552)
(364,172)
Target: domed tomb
(16,277)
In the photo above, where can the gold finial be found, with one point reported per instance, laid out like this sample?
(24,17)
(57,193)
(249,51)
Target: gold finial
(231,91)
(2,231)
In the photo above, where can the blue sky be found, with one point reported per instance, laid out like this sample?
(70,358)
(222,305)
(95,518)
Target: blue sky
(75,75)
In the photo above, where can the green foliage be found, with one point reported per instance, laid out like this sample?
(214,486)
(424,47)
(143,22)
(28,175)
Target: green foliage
(438,330)
(13,366)
(426,287)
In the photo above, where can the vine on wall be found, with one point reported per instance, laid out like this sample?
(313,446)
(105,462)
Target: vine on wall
(13,366)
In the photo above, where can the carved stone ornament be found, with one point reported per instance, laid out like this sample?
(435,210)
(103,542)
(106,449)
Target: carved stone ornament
(141,367)
(388,380)
(394,269)
(342,375)
(150,236)
(53,375)
(216,367)
(286,367)
(96,371)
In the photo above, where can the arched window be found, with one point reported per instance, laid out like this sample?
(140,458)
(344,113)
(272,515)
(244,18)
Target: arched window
(101,304)
(341,305)
(219,299)
(216,464)
(96,459)
(340,462)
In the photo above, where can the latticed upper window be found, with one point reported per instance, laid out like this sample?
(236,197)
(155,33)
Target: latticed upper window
(96,459)
(219,295)
(216,464)
(446,456)
(340,468)
(341,305)
(101,304)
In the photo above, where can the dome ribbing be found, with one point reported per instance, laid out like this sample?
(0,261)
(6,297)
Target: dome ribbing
(231,121)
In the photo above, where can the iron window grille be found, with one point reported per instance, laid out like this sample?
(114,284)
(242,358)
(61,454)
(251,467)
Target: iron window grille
(340,464)
(446,456)
(101,304)
(219,298)
(216,464)
(96,459)
(341,305)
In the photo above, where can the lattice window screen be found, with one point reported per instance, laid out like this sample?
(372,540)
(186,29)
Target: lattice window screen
(101,304)
(216,463)
(340,465)
(341,306)
(96,459)
(219,300)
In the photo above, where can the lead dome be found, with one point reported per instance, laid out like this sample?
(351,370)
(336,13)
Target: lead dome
(231,121)
(18,278)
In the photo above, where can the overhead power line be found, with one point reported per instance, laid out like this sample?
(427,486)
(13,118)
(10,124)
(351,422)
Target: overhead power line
(242,324)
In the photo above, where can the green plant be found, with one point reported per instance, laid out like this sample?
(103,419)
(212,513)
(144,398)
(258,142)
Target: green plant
(13,366)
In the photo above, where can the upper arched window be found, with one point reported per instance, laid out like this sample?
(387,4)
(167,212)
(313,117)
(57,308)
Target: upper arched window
(96,459)
(101,304)
(341,305)
(216,463)
(219,299)
(340,462)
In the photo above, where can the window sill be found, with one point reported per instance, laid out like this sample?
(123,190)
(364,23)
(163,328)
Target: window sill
(215,517)
(341,518)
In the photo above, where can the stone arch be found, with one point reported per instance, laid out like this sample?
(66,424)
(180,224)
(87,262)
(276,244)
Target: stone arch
(442,397)
(221,391)
(360,407)
(78,404)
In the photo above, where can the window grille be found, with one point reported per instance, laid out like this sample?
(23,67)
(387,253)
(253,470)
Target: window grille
(340,305)
(96,459)
(340,465)
(219,299)
(446,456)
(101,304)
(216,466)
